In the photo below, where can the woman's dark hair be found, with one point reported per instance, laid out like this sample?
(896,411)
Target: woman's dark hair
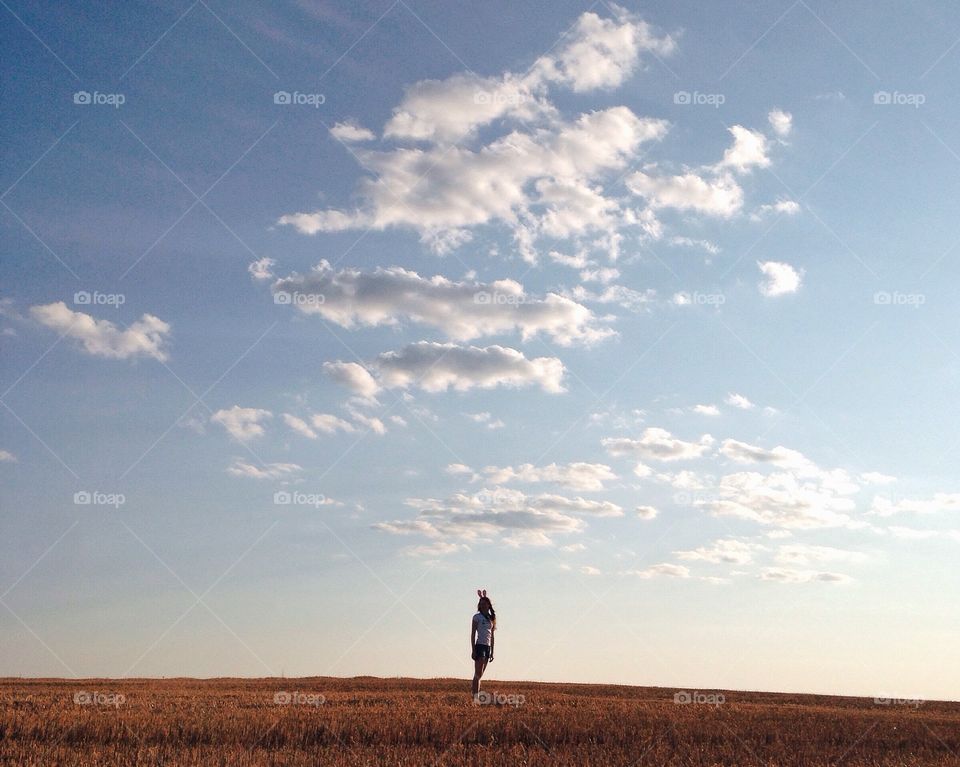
(493,614)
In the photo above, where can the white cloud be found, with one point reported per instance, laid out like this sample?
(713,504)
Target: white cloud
(658,444)
(436,367)
(589,570)
(739,401)
(876,478)
(241,468)
(595,53)
(351,131)
(262,269)
(780,499)
(646,512)
(781,122)
(487,419)
(242,423)
(722,551)
(782,207)
(7,457)
(784,457)
(330,424)
(802,554)
(706,409)
(147,337)
(885,507)
(788,575)
(462,310)
(664,569)
(575,476)
(721,196)
(749,150)
(299,425)
(354,376)
(440,188)
(510,515)
(436,549)
(780,278)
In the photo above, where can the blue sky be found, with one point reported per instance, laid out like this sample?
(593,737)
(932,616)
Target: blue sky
(316,318)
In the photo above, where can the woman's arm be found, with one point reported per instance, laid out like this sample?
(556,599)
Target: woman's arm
(473,635)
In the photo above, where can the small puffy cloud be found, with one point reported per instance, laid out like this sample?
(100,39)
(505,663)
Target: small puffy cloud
(779,278)
(781,207)
(299,425)
(510,515)
(147,337)
(354,376)
(590,570)
(330,424)
(436,367)
(885,507)
(262,269)
(781,122)
(722,551)
(241,468)
(242,423)
(646,512)
(802,554)
(462,310)
(788,575)
(749,150)
(721,196)
(782,500)
(658,444)
(664,569)
(575,476)
(784,457)
(486,419)
(706,409)
(7,457)
(877,478)
(351,131)
(739,401)
(573,547)
(436,549)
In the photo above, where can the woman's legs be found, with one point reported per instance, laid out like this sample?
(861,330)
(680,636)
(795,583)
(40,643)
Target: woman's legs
(479,666)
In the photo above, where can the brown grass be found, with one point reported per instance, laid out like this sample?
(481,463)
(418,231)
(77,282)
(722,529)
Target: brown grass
(432,722)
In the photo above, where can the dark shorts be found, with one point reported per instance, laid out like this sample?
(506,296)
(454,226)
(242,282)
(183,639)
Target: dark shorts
(481,652)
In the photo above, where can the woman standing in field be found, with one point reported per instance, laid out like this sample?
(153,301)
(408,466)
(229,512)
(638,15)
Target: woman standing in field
(482,627)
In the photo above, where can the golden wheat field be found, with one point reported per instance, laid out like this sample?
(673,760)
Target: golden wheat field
(367,721)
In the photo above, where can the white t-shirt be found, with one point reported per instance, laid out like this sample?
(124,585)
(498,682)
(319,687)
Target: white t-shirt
(484,628)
